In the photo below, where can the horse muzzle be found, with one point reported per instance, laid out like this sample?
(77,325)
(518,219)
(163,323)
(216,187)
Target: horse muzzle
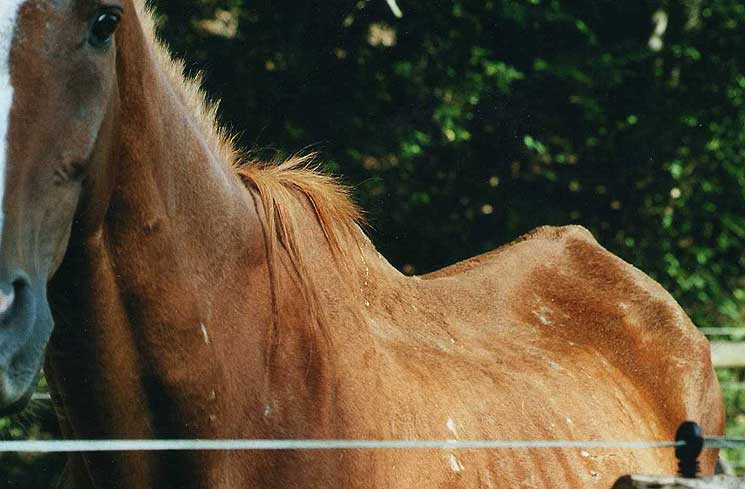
(21,349)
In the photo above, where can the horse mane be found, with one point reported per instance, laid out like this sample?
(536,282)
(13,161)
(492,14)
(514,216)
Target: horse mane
(285,189)
(189,89)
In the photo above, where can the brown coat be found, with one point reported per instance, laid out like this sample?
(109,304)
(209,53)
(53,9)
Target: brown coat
(200,297)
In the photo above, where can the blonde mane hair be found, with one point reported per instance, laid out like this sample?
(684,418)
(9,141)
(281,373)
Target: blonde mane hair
(284,190)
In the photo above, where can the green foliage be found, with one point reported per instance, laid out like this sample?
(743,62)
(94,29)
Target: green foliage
(30,470)
(467,123)
(733,384)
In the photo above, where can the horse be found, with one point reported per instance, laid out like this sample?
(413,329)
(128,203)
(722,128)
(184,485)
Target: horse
(173,288)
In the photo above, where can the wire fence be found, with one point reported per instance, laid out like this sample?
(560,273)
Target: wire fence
(82,446)
(67,446)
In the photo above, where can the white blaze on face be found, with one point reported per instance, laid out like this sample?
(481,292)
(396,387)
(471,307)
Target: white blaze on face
(8,16)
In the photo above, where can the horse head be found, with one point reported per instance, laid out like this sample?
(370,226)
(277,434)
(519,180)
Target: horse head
(57,88)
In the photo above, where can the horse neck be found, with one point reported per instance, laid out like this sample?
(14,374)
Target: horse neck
(137,349)
(164,308)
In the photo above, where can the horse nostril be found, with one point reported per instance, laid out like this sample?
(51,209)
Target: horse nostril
(11,299)
(6,300)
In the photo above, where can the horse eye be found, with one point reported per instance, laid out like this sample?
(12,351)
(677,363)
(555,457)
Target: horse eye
(103,28)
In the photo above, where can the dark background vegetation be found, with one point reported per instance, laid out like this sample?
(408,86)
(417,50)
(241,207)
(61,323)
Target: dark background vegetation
(469,122)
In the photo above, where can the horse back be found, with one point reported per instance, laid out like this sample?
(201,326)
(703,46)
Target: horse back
(561,283)
(549,337)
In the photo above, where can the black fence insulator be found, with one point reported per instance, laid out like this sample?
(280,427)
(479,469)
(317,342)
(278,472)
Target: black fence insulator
(687,455)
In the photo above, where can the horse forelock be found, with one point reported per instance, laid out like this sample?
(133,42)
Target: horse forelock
(8,17)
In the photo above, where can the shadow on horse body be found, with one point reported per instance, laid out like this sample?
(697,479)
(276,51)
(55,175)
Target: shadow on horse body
(197,296)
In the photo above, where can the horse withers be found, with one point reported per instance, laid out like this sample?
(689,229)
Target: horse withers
(180,292)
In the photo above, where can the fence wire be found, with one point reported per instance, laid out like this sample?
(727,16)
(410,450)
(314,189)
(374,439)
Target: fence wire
(81,446)
(724,442)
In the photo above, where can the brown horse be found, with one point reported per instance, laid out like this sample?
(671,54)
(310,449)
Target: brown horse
(196,297)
